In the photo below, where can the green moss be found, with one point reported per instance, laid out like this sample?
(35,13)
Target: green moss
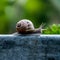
(53,29)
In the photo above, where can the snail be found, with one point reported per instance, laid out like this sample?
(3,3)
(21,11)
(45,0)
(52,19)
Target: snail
(25,26)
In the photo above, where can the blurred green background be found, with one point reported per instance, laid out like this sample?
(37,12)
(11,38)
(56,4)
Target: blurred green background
(38,11)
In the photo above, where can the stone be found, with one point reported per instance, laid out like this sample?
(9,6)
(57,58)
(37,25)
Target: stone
(30,47)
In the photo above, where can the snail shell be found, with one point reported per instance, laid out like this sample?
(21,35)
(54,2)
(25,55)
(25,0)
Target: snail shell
(24,25)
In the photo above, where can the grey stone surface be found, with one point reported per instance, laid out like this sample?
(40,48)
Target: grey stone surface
(30,47)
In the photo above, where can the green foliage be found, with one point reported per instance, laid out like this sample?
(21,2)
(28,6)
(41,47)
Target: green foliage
(53,29)
(37,11)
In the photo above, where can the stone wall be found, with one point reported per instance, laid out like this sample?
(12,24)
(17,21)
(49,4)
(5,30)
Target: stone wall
(30,47)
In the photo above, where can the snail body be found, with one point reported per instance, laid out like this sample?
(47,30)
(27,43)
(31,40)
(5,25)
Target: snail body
(26,27)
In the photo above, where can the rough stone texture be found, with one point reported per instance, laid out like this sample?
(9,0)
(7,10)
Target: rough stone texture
(30,47)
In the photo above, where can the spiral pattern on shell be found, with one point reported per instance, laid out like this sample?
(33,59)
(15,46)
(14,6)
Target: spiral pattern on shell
(24,25)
